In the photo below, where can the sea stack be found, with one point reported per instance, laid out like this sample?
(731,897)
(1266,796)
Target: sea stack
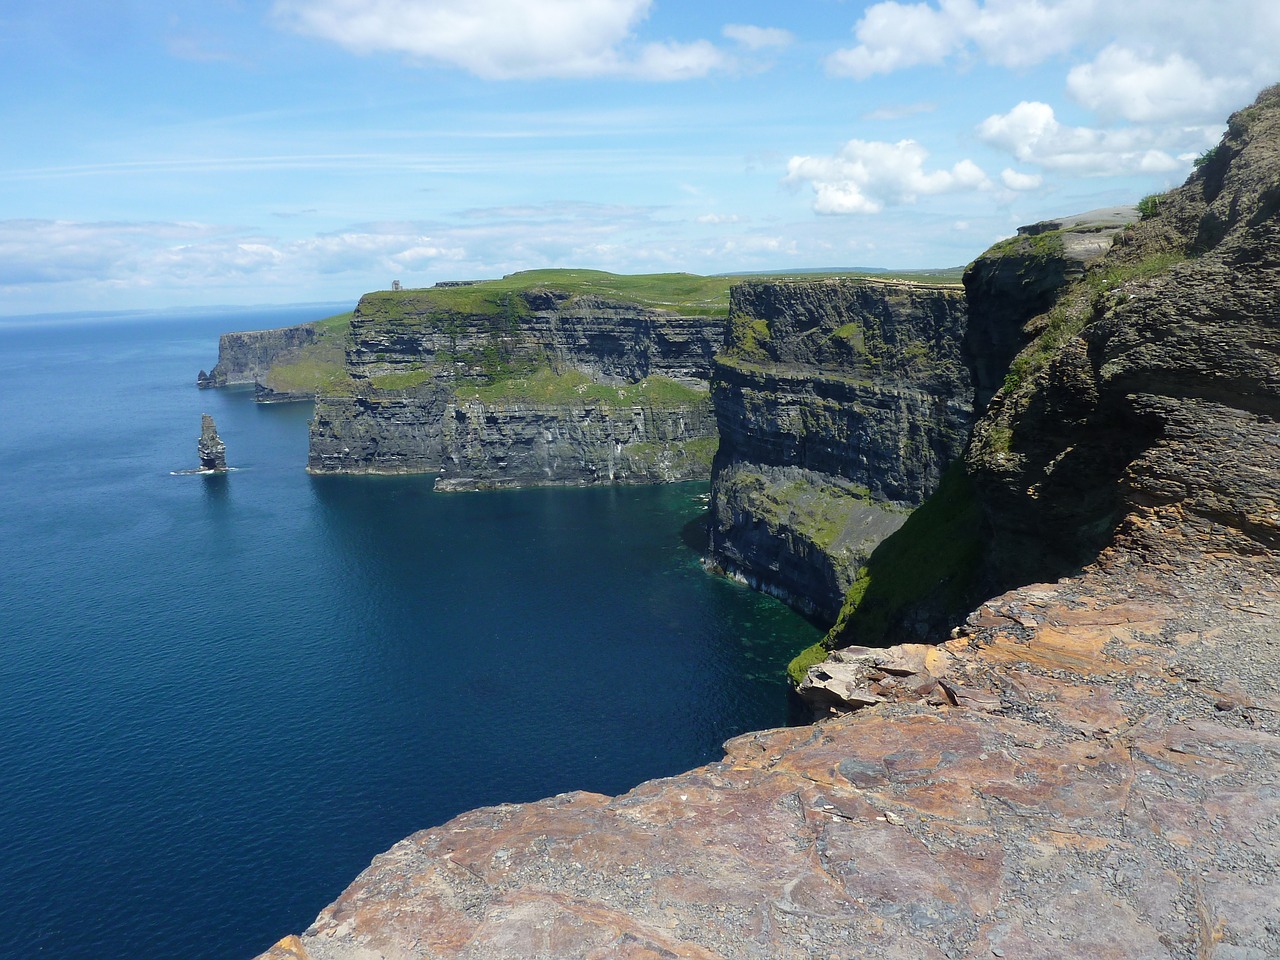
(213,452)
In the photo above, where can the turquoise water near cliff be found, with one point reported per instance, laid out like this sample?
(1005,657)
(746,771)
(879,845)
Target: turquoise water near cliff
(220,697)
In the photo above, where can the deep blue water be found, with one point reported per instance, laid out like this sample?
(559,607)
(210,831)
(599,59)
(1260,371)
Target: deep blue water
(220,697)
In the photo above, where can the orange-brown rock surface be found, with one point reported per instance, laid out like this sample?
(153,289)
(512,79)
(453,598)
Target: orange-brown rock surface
(1099,778)
(1090,768)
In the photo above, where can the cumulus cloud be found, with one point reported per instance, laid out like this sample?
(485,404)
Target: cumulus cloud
(866,176)
(1119,82)
(1212,53)
(1031,133)
(505,39)
(37,252)
(893,35)
(758,38)
(1020,181)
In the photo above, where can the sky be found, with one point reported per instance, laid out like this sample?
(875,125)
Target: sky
(199,152)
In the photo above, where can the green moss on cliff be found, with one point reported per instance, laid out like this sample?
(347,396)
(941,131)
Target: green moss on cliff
(1077,308)
(401,379)
(931,562)
(806,658)
(548,386)
(320,365)
(748,337)
(686,458)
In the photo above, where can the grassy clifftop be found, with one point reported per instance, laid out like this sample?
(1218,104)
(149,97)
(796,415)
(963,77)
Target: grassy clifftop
(685,293)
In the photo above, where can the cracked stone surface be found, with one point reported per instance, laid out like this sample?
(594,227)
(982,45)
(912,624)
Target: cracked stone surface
(1101,780)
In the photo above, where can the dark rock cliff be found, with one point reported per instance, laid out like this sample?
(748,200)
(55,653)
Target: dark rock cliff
(1020,278)
(246,357)
(519,443)
(523,388)
(1088,768)
(840,403)
(1154,383)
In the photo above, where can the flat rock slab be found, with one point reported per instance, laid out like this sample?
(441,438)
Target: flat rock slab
(1106,787)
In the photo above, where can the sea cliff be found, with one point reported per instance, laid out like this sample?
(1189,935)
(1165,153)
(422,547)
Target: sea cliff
(553,377)
(1087,768)
(840,404)
(246,357)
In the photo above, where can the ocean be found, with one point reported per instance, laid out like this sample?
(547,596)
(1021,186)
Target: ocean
(222,696)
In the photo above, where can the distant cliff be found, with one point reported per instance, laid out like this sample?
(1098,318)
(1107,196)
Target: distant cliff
(558,378)
(247,357)
(840,404)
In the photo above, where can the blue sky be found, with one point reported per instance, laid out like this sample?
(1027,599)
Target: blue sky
(199,152)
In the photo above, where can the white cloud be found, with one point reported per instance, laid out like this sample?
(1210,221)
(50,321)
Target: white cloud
(1143,60)
(867,176)
(1020,181)
(758,38)
(893,36)
(719,218)
(1032,134)
(505,39)
(1121,83)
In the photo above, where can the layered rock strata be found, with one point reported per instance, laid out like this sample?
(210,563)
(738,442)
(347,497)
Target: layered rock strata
(246,357)
(1021,278)
(839,405)
(435,388)
(210,448)
(1084,774)
(1088,769)
(490,446)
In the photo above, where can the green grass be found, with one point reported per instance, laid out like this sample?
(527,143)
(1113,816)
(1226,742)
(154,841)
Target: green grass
(1071,314)
(401,379)
(572,387)
(320,365)
(684,293)
(337,325)
(805,659)
(932,558)
(1041,246)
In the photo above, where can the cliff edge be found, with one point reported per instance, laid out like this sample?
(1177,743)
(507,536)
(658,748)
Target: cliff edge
(1088,768)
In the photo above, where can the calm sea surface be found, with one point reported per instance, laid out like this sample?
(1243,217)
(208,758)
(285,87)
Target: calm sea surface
(220,697)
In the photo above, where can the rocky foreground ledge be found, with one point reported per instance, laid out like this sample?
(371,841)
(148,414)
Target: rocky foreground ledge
(1091,770)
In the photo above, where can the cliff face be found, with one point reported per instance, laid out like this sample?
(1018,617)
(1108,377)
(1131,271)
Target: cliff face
(489,446)
(1153,385)
(1021,278)
(839,404)
(519,388)
(247,357)
(1087,769)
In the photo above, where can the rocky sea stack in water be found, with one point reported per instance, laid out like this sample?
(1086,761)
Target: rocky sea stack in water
(213,452)
(1087,768)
